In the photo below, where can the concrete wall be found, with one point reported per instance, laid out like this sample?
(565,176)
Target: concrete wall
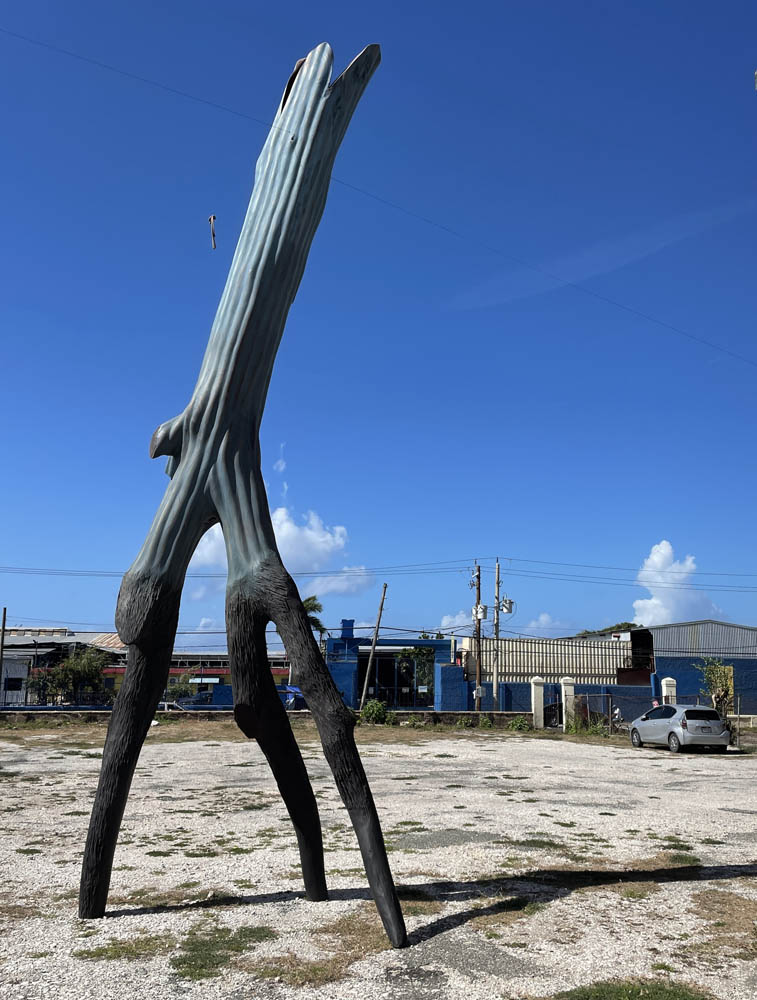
(451,690)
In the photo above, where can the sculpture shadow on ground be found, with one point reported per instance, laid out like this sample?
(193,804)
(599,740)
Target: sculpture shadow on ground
(508,893)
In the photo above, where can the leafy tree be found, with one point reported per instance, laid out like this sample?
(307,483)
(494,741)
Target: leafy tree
(75,678)
(619,627)
(424,662)
(182,688)
(717,678)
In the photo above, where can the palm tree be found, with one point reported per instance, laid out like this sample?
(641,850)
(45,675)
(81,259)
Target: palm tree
(314,607)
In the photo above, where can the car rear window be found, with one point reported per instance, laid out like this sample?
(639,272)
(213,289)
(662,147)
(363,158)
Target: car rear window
(702,713)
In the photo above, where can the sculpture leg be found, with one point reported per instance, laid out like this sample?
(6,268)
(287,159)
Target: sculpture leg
(335,726)
(143,684)
(260,715)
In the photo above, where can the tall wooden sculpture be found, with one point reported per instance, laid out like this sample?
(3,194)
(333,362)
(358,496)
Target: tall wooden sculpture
(214,464)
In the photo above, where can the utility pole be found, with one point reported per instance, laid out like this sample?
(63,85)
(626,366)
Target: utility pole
(495,663)
(373,649)
(2,649)
(477,704)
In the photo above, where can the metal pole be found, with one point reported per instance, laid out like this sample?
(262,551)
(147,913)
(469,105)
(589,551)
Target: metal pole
(477,704)
(373,649)
(495,664)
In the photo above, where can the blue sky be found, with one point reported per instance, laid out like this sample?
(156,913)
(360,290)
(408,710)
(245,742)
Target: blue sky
(446,390)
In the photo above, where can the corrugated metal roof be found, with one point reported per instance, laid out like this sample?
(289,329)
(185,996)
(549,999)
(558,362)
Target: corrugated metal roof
(105,640)
(705,638)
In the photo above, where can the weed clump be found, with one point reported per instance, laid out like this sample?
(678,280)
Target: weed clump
(520,724)
(374,712)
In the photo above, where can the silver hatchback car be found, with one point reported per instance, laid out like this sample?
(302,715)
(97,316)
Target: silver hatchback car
(681,726)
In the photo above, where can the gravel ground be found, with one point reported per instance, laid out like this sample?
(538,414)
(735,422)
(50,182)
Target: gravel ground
(528,866)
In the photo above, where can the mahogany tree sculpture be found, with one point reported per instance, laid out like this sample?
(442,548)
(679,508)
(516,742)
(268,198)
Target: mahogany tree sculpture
(214,463)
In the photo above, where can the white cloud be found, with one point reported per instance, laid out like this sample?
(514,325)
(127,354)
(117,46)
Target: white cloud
(306,546)
(544,622)
(666,579)
(351,580)
(211,551)
(455,621)
(280,464)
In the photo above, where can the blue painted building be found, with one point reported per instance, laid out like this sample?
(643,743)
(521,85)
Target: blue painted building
(398,679)
(681,647)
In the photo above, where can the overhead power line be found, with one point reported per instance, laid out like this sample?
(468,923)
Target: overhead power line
(131,76)
(647,579)
(512,258)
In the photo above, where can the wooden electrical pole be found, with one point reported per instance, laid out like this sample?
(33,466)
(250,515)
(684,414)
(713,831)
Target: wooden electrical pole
(477,703)
(373,649)
(2,646)
(495,661)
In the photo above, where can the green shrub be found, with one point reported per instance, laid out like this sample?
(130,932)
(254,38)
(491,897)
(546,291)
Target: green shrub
(374,711)
(485,722)
(520,724)
(415,721)
(391,719)
(580,726)
(464,723)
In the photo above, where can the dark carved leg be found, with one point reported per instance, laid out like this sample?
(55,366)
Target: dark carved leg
(260,715)
(335,726)
(144,682)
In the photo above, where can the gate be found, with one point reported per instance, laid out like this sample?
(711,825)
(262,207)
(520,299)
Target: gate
(399,681)
(552,706)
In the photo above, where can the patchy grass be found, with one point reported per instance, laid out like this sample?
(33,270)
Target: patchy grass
(349,939)
(640,890)
(19,911)
(634,990)
(684,859)
(731,924)
(206,950)
(417,902)
(128,949)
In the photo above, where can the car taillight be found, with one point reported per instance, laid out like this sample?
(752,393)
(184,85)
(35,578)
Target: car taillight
(684,723)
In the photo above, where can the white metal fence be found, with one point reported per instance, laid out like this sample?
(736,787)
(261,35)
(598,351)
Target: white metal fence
(519,659)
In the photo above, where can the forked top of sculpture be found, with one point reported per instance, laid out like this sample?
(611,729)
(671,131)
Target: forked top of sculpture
(291,183)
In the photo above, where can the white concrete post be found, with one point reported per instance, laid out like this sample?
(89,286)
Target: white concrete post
(668,685)
(567,687)
(537,701)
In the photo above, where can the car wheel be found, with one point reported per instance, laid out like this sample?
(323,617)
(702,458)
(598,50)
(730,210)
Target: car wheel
(636,739)
(674,744)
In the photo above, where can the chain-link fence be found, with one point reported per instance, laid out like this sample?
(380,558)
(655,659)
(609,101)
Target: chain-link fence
(603,712)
